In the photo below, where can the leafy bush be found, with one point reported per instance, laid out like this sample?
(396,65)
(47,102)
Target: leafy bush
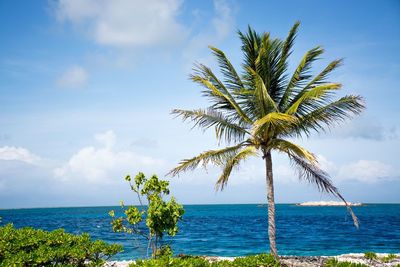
(33,247)
(332,262)
(389,258)
(370,255)
(164,251)
(265,260)
(161,216)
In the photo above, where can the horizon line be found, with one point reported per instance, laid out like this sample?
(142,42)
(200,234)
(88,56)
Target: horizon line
(193,204)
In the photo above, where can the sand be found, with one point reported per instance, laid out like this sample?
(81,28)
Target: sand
(300,261)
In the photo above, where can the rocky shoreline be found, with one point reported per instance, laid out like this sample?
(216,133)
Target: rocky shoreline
(301,261)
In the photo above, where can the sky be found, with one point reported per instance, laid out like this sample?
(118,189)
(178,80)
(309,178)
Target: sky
(87,87)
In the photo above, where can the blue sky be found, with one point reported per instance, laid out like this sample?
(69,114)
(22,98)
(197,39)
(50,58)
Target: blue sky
(87,86)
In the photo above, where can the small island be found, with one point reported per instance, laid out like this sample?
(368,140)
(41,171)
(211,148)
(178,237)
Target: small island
(327,203)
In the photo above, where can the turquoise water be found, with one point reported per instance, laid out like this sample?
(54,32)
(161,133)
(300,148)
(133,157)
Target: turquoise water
(232,230)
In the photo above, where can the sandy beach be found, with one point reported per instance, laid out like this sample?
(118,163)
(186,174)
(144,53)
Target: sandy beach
(300,261)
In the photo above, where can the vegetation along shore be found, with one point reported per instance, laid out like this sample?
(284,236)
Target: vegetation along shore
(345,260)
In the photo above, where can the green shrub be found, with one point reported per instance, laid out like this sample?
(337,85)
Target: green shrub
(370,255)
(164,251)
(33,247)
(264,260)
(171,262)
(161,216)
(389,258)
(332,262)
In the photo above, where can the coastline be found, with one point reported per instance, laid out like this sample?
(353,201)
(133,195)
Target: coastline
(184,204)
(328,204)
(299,261)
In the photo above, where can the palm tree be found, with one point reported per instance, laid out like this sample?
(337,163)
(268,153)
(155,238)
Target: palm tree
(263,108)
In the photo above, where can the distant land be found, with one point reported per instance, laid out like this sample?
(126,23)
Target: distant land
(328,203)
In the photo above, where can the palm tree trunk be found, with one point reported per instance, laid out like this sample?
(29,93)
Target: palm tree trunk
(271,204)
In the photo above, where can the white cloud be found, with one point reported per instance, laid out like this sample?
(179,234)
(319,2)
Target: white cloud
(249,172)
(223,21)
(285,174)
(132,26)
(364,171)
(73,77)
(125,23)
(325,164)
(77,11)
(221,25)
(18,154)
(107,139)
(364,127)
(104,164)
(368,171)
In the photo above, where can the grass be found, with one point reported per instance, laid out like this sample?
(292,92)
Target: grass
(388,258)
(261,260)
(335,263)
(370,255)
(265,260)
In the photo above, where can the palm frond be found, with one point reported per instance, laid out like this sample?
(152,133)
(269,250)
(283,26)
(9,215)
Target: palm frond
(274,123)
(268,64)
(251,42)
(300,75)
(231,163)
(322,118)
(313,174)
(222,100)
(264,102)
(280,72)
(318,80)
(289,41)
(204,119)
(206,73)
(322,76)
(217,157)
(293,149)
(319,94)
(232,79)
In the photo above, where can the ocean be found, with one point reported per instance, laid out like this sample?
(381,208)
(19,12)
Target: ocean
(235,230)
